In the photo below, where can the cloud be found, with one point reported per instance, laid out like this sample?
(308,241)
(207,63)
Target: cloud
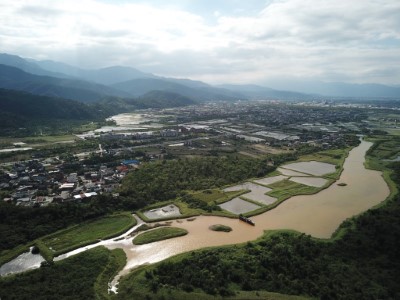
(354,40)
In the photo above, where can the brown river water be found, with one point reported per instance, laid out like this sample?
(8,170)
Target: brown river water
(318,215)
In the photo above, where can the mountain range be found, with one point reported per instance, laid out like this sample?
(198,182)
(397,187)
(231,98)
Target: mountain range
(56,79)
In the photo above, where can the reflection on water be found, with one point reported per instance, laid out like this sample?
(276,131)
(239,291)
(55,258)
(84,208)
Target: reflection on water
(25,261)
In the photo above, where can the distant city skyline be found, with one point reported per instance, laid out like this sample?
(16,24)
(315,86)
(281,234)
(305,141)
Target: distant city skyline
(225,41)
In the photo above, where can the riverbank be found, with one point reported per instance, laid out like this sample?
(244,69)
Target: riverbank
(318,215)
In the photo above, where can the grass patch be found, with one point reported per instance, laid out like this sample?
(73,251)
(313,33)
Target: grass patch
(158,234)
(87,233)
(220,227)
(285,189)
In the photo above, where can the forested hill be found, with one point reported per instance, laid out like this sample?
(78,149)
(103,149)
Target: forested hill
(19,109)
(16,79)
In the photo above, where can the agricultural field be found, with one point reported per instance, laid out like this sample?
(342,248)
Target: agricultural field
(285,189)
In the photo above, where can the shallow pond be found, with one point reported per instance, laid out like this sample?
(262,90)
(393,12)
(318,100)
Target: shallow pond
(288,172)
(270,180)
(312,167)
(257,192)
(238,206)
(310,181)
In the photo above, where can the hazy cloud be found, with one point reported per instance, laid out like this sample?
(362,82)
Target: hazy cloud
(226,41)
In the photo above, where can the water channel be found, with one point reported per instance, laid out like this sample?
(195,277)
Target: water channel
(318,215)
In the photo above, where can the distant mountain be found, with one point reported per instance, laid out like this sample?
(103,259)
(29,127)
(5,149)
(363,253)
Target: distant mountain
(16,79)
(27,66)
(136,83)
(105,76)
(256,92)
(187,82)
(138,87)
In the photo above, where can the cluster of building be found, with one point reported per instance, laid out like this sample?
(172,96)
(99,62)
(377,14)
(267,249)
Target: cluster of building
(33,183)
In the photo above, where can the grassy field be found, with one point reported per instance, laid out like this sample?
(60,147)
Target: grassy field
(158,234)
(285,189)
(87,233)
(332,156)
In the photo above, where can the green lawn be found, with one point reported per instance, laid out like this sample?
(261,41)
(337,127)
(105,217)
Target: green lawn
(158,234)
(87,233)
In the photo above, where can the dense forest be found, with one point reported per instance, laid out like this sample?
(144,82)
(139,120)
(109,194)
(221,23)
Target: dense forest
(363,264)
(163,180)
(84,276)
(27,113)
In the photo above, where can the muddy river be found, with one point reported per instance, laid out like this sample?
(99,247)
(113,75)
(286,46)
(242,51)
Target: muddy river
(318,215)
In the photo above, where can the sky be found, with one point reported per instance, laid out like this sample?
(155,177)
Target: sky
(218,41)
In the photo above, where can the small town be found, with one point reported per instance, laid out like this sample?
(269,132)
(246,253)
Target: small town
(246,128)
